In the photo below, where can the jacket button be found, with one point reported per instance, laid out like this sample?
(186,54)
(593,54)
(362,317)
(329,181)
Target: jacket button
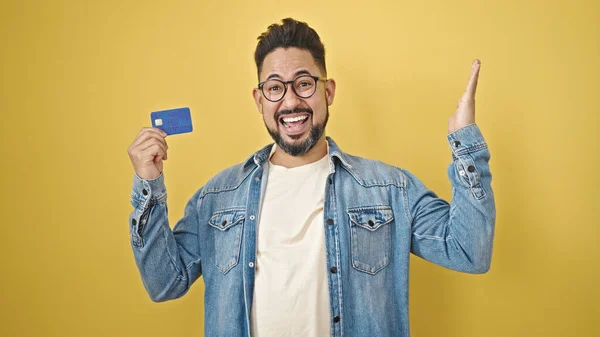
(471,168)
(144,192)
(336,319)
(330,181)
(133,222)
(330,221)
(456,143)
(223,223)
(333,270)
(371,223)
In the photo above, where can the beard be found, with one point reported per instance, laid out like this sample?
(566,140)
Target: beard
(299,148)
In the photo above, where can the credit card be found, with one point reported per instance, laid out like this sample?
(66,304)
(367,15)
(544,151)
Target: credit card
(173,121)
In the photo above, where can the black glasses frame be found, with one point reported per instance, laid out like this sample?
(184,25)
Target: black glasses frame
(261,86)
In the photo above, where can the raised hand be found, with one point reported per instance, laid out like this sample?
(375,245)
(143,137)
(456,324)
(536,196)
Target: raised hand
(465,111)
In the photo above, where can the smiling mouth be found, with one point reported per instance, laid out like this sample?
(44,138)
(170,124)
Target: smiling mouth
(295,125)
(289,122)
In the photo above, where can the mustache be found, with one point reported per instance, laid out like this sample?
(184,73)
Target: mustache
(289,112)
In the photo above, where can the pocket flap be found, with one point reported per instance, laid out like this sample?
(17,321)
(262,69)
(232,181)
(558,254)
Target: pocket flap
(225,219)
(371,218)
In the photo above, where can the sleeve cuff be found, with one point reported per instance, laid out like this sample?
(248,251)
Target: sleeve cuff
(466,140)
(148,191)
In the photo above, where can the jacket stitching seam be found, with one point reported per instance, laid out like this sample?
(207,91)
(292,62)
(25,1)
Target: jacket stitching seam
(471,149)
(225,189)
(433,237)
(171,258)
(364,184)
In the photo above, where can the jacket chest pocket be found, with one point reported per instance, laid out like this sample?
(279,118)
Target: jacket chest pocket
(371,236)
(228,226)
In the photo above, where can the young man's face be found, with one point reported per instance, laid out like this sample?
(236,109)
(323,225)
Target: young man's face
(296,123)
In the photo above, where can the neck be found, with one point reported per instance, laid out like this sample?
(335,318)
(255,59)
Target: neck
(286,160)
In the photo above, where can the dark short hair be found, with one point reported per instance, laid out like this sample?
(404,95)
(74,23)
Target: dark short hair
(290,33)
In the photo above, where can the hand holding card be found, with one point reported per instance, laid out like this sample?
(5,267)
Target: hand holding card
(147,153)
(149,148)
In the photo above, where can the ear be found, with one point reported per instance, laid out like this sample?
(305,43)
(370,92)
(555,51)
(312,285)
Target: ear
(330,91)
(257,99)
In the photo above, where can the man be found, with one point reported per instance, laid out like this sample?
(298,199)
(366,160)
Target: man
(302,239)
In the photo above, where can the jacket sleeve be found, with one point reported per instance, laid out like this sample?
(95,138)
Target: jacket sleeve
(169,261)
(458,235)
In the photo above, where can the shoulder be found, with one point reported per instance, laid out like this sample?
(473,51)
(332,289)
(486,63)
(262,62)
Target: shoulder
(370,172)
(228,179)
(234,176)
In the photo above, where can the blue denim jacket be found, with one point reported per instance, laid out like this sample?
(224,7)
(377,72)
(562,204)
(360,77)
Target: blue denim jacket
(375,215)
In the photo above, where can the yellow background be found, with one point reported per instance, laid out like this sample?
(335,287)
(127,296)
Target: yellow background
(79,79)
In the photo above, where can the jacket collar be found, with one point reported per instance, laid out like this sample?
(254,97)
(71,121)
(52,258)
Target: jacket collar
(262,155)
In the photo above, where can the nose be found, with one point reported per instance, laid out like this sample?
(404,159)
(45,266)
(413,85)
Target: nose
(290,100)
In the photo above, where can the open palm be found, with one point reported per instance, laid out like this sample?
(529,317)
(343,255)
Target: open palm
(465,111)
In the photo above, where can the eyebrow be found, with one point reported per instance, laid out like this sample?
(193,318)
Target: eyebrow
(298,73)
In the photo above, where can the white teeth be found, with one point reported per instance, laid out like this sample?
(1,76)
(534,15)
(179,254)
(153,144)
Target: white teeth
(295,119)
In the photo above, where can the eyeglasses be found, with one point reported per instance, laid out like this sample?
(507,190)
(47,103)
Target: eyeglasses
(303,86)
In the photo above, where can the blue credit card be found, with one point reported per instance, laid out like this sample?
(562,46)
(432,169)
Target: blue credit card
(173,121)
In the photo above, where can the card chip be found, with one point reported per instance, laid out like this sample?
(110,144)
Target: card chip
(158,122)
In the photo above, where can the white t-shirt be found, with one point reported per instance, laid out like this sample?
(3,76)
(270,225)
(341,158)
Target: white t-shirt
(291,295)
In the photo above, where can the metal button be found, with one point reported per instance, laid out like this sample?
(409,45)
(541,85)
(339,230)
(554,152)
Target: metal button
(371,223)
(251,264)
(330,221)
(456,143)
(333,270)
(330,181)
(252,217)
(336,319)
(223,223)
(144,192)
(471,168)
(133,222)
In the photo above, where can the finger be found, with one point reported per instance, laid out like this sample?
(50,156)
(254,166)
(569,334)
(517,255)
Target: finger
(144,132)
(143,145)
(472,84)
(151,143)
(153,152)
(148,154)
(145,136)
(150,129)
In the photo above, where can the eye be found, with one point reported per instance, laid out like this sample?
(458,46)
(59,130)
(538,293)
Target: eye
(274,87)
(304,84)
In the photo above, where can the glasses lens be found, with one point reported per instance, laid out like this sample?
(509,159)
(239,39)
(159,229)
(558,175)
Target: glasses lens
(273,90)
(305,86)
